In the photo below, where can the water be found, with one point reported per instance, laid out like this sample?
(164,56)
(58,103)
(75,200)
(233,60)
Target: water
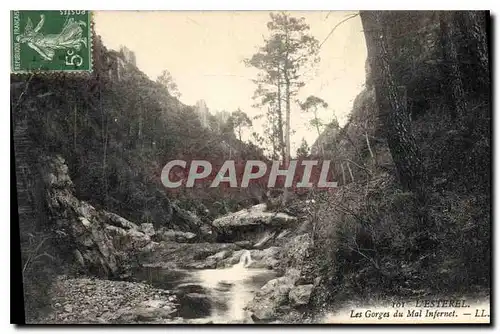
(219,295)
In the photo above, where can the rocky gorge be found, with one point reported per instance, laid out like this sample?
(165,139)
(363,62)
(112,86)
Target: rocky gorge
(123,272)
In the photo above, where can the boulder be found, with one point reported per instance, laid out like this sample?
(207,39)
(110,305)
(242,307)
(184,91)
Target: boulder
(264,239)
(297,250)
(174,236)
(169,254)
(188,221)
(300,295)
(268,258)
(103,242)
(113,219)
(255,215)
(219,256)
(57,174)
(136,240)
(246,244)
(269,298)
(144,314)
(272,297)
(147,229)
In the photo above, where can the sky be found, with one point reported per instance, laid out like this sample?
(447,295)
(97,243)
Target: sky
(204,52)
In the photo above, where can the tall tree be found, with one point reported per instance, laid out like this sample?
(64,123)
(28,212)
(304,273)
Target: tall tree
(450,35)
(166,79)
(474,29)
(269,89)
(240,120)
(392,105)
(303,150)
(282,62)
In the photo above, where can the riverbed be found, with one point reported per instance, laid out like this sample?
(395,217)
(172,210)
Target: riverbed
(212,295)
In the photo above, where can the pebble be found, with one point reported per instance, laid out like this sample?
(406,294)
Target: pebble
(86,300)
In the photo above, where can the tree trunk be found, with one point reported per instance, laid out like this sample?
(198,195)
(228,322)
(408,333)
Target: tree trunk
(287,123)
(286,158)
(320,144)
(369,146)
(455,86)
(343,173)
(476,31)
(350,172)
(395,116)
(280,118)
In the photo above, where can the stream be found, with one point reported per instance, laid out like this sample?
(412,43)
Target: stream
(217,295)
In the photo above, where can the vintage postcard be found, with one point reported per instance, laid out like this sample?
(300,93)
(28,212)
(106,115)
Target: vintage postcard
(251,167)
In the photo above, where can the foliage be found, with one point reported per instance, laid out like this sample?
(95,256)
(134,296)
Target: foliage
(165,79)
(282,62)
(239,120)
(373,238)
(303,150)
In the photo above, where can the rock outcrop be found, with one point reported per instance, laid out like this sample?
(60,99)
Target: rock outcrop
(272,296)
(252,224)
(300,295)
(187,221)
(255,215)
(106,244)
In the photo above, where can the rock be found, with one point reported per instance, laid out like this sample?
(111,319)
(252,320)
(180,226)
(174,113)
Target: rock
(253,216)
(85,222)
(144,314)
(300,295)
(253,224)
(246,244)
(219,256)
(57,174)
(297,250)
(168,254)
(79,258)
(264,240)
(137,240)
(155,303)
(187,220)
(102,242)
(147,229)
(116,220)
(283,234)
(87,300)
(149,247)
(272,297)
(175,236)
(118,235)
(267,258)
(303,280)
(208,264)
(269,298)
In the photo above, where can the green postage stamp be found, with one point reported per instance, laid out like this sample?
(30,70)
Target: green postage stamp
(51,40)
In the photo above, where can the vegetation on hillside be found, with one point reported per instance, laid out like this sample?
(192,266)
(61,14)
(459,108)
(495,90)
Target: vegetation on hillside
(413,217)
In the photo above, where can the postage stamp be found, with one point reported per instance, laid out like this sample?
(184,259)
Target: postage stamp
(51,40)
